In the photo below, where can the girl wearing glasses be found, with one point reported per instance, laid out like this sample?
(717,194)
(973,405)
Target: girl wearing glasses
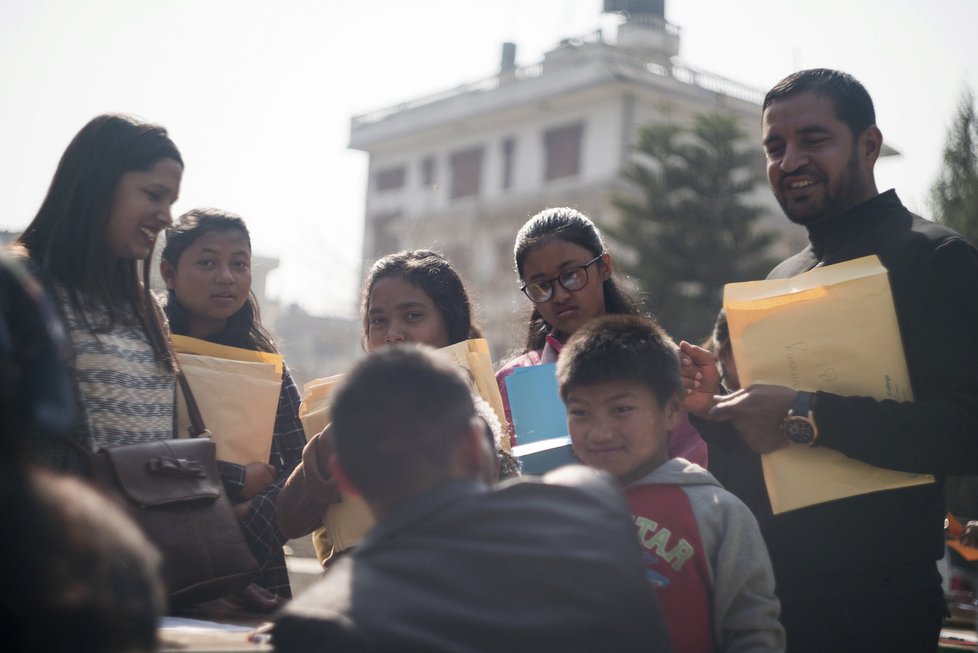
(565,270)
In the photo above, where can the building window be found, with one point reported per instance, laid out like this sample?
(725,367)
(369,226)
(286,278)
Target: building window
(388,179)
(466,172)
(386,238)
(428,171)
(563,145)
(509,149)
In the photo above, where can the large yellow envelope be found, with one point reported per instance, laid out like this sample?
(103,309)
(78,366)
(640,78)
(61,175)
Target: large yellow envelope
(834,329)
(345,523)
(473,355)
(237,391)
(188,345)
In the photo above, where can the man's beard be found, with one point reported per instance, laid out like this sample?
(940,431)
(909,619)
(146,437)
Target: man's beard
(844,196)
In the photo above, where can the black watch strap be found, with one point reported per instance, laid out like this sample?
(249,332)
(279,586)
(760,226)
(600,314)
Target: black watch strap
(803,403)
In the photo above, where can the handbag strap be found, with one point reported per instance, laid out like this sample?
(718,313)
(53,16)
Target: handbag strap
(197,427)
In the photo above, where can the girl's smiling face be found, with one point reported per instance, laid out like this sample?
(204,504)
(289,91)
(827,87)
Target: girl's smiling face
(400,312)
(212,279)
(566,311)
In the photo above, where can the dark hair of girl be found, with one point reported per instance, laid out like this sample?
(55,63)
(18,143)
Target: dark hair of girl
(67,240)
(243,329)
(436,277)
(574,227)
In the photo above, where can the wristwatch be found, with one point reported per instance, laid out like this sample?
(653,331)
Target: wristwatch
(799,426)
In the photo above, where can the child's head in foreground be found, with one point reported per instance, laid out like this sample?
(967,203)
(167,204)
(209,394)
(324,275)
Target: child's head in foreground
(619,377)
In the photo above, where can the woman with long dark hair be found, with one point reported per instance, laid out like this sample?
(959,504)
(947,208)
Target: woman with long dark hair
(108,201)
(206,265)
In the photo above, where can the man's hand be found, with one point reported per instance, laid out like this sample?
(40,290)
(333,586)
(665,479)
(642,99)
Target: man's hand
(700,376)
(258,476)
(757,412)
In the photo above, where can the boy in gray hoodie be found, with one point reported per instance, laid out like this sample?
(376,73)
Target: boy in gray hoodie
(619,377)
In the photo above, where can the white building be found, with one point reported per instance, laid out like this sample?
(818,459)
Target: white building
(460,171)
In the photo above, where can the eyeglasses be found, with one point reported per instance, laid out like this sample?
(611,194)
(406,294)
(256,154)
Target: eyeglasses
(570,279)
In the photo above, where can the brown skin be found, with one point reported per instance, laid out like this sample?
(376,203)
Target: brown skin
(817,169)
(757,412)
(258,476)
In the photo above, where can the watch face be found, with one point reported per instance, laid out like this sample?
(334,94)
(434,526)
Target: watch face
(799,430)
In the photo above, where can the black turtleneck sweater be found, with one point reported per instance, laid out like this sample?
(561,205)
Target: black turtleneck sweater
(856,544)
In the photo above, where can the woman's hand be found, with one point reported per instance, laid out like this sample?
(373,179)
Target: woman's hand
(258,476)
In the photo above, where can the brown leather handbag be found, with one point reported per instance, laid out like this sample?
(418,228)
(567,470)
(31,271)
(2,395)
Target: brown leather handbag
(173,490)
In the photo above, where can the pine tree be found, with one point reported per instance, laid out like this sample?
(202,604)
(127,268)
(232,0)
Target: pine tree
(694,228)
(954,196)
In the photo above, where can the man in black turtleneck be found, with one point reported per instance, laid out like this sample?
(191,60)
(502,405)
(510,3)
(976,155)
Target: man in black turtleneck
(860,573)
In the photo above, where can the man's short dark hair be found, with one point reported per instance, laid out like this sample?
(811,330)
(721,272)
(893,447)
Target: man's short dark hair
(397,417)
(620,348)
(851,100)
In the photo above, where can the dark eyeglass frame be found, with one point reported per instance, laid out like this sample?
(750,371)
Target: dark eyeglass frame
(559,279)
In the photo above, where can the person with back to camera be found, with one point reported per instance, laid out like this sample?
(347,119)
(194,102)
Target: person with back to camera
(842,588)
(81,575)
(565,270)
(206,265)
(454,564)
(409,297)
(109,200)
(619,376)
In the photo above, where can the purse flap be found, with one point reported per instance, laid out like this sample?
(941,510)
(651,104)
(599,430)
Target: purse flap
(166,471)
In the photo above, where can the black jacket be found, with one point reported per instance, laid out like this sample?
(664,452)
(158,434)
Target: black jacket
(529,566)
(854,545)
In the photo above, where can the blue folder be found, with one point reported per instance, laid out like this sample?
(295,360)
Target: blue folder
(539,419)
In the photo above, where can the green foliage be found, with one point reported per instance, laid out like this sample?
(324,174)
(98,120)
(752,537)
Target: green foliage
(694,229)
(954,196)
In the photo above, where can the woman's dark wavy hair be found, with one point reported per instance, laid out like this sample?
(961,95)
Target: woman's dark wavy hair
(67,240)
(574,227)
(244,328)
(433,274)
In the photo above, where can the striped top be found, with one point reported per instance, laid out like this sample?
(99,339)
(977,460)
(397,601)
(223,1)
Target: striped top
(127,397)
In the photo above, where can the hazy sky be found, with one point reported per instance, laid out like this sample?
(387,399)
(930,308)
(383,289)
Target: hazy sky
(258,95)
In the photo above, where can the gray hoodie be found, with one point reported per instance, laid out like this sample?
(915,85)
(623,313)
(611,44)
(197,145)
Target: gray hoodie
(745,609)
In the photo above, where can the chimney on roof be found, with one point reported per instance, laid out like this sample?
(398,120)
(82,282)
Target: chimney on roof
(507,62)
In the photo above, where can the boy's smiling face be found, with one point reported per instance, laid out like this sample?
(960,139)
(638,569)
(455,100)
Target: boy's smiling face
(620,427)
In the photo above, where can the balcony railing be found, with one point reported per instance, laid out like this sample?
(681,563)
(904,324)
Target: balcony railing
(680,72)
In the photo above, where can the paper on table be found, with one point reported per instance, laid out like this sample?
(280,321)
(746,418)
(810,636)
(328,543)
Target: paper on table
(833,329)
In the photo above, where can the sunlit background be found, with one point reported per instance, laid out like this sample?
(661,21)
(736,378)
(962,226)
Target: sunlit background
(259,95)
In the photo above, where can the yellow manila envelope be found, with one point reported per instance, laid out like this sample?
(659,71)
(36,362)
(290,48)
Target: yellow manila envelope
(314,408)
(473,355)
(346,522)
(188,345)
(833,328)
(238,401)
